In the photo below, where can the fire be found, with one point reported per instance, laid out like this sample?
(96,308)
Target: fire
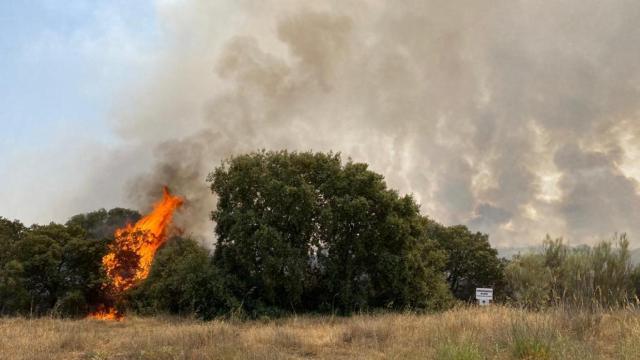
(131,255)
(106,313)
(132,252)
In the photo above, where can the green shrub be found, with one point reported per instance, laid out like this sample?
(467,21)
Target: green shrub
(529,281)
(583,277)
(73,304)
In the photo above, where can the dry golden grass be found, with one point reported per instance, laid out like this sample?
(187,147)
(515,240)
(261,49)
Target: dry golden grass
(466,333)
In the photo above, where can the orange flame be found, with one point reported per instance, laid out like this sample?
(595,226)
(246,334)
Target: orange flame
(132,252)
(106,313)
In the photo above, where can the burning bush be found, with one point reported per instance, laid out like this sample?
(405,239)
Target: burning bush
(86,264)
(132,252)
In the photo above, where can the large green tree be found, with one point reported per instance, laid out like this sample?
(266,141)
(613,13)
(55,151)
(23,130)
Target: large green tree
(307,231)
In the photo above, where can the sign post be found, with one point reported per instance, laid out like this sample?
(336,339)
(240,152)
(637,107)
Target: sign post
(484,296)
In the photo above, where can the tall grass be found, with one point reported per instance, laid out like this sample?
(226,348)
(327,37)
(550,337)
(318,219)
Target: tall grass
(494,332)
(582,278)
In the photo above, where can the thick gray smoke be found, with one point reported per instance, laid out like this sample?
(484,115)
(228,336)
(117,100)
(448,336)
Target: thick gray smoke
(518,118)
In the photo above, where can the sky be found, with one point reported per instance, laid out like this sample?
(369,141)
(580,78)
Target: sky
(63,64)
(61,59)
(516,118)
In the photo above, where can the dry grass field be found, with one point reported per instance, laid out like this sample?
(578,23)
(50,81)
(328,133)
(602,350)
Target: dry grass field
(466,333)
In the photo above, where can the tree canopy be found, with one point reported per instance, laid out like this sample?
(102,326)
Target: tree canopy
(305,231)
(48,268)
(471,261)
(56,268)
(295,231)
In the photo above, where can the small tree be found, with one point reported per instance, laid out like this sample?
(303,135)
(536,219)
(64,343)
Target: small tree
(471,261)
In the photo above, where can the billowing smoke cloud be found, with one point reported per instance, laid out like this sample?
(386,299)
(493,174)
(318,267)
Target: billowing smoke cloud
(518,118)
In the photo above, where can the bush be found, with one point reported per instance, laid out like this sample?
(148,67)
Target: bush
(182,281)
(73,304)
(583,277)
(529,281)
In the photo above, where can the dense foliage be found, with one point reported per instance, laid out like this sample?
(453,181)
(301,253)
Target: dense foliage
(471,261)
(302,231)
(50,268)
(296,232)
(183,281)
(55,268)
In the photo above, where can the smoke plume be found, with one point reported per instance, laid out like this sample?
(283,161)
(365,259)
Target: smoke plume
(517,118)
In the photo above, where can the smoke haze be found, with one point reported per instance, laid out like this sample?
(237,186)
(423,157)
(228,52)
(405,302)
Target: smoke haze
(517,118)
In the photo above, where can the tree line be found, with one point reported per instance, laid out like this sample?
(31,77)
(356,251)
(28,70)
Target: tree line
(300,232)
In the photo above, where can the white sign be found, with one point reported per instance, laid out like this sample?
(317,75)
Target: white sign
(484,295)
